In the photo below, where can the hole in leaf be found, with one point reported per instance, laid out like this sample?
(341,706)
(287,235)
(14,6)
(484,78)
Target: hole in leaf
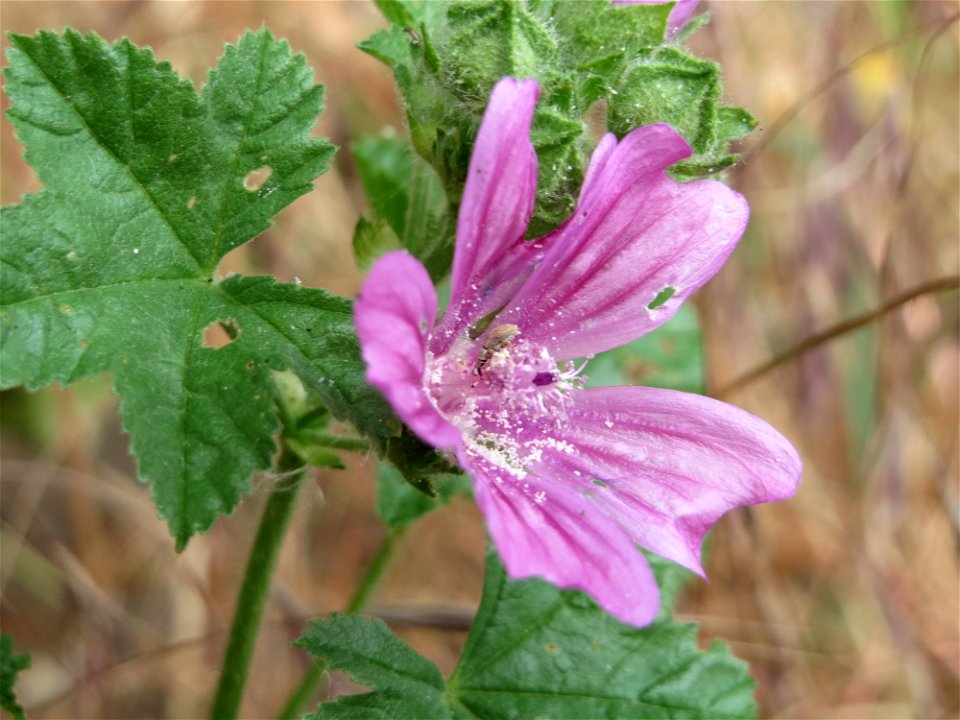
(662,297)
(256,178)
(220,333)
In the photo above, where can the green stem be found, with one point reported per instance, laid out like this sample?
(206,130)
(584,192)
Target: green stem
(338,442)
(374,574)
(256,585)
(361,596)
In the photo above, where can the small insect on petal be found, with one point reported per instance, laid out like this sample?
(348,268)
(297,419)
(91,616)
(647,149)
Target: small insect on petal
(500,337)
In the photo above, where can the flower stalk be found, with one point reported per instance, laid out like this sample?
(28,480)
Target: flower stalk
(256,586)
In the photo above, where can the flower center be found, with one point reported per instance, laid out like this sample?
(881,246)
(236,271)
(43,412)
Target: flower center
(508,398)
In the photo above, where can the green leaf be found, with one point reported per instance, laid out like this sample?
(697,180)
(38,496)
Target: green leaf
(399,503)
(484,40)
(11,664)
(671,357)
(734,123)
(402,13)
(391,47)
(111,267)
(386,169)
(535,651)
(672,579)
(371,240)
(594,32)
(667,85)
(405,684)
(405,193)
(560,145)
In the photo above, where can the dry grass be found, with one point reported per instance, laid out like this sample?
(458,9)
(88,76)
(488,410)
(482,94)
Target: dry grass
(844,599)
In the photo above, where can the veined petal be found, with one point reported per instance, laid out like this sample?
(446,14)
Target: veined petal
(394,314)
(491,258)
(547,530)
(598,160)
(665,465)
(637,246)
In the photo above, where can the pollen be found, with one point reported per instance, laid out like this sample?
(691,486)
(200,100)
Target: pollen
(515,409)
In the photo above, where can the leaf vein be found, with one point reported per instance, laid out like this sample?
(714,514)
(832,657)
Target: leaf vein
(126,168)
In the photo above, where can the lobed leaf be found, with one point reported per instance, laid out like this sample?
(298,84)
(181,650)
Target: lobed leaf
(406,196)
(111,267)
(535,651)
(404,683)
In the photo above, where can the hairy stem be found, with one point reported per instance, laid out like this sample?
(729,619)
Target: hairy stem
(337,442)
(256,586)
(361,596)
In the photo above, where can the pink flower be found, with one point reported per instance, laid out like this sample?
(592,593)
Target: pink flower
(572,480)
(679,16)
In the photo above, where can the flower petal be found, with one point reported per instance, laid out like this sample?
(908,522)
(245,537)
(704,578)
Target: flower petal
(637,246)
(491,258)
(546,530)
(598,160)
(394,313)
(665,465)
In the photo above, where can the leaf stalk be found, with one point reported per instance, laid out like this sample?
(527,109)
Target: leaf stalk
(361,596)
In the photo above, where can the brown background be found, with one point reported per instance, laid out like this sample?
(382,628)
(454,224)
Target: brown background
(844,599)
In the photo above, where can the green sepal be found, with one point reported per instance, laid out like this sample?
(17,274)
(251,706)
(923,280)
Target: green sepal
(399,503)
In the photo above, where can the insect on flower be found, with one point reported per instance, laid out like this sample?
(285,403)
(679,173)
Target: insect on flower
(571,479)
(500,337)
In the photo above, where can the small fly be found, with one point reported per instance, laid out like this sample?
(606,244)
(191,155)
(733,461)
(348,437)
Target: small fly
(500,337)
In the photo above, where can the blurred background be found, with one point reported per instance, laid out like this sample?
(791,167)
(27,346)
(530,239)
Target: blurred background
(844,600)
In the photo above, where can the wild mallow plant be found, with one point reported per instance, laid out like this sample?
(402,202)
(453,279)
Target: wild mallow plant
(564,255)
